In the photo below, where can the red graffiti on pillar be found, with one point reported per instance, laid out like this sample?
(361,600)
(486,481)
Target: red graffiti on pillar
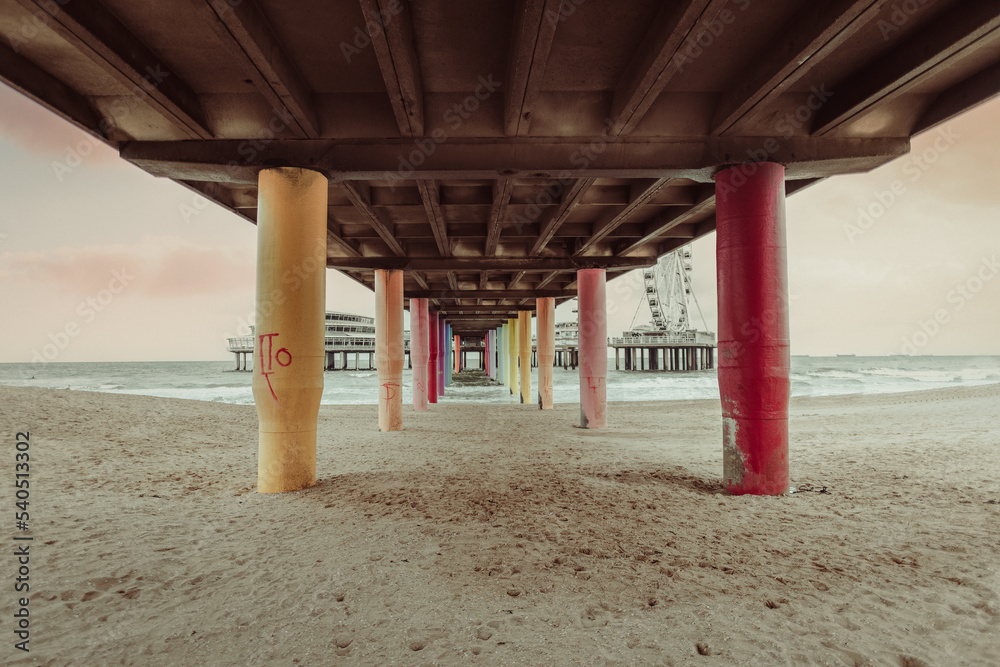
(390,393)
(282,356)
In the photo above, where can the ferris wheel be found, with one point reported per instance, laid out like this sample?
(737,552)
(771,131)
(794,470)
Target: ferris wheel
(668,291)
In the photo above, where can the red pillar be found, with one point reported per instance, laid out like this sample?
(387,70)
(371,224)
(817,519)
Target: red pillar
(753,327)
(593,350)
(432,359)
(442,334)
(419,352)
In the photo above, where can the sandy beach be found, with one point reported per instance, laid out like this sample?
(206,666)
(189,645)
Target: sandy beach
(503,535)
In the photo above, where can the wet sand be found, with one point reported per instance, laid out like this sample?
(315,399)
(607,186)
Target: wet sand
(503,535)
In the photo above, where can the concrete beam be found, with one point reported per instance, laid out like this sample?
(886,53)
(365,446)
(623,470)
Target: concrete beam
(977,89)
(245,32)
(97,33)
(696,158)
(535,23)
(794,49)
(654,64)
(487,263)
(397,58)
(361,202)
(906,65)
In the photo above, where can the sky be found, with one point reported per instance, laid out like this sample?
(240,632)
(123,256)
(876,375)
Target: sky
(100,261)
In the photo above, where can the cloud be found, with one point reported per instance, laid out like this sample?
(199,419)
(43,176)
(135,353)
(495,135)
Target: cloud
(31,126)
(162,266)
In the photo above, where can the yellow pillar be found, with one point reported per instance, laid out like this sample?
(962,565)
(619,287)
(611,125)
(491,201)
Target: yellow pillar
(389,350)
(546,307)
(524,352)
(290,329)
(512,358)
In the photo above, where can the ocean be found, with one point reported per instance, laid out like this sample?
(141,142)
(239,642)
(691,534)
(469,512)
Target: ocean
(216,381)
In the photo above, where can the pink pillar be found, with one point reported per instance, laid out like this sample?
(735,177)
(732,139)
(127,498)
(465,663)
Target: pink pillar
(486,352)
(442,335)
(419,351)
(593,323)
(753,327)
(432,358)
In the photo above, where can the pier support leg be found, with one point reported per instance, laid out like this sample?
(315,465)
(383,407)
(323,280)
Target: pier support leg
(442,358)
(419,351)
(512,356)
(593,327)
(389,348)
(502,354)
(432,356)
(288,373)
(546,324)
(524,353)
(753,327)
(449,362)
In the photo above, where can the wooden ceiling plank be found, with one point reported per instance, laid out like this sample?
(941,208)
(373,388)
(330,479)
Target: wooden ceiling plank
(361,202)
(814,32)
(397,58)
(430,195)
(646,190)
(96,32)
(34,82)
(891,75)
(246,33)
(502,189)
(571,197)
(535,23)
(655,62)
(977,89)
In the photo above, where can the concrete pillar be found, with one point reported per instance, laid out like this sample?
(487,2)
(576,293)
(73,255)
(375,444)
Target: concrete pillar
(512,356)
(458,356)
(442,335)
(524,353)
(433,342)
(488,348)
(501,356)
(419,352)
(389,347)
(449,362)
(753,327)
(593,326)
(546,325)
(288,375)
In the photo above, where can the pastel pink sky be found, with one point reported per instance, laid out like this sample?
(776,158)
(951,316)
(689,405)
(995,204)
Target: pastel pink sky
(93,244)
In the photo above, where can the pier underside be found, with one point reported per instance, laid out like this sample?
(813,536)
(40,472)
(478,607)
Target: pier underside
(488,154)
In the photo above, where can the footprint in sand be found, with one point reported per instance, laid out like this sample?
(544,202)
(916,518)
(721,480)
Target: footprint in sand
(594,618)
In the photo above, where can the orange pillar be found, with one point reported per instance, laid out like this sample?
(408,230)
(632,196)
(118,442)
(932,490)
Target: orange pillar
(524,353)
(290,325)
(389,351)
(458,353)
(593,350)
(419,351)
(546,323)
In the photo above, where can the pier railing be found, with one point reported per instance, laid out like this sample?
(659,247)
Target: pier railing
(655,340)
(358,343)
